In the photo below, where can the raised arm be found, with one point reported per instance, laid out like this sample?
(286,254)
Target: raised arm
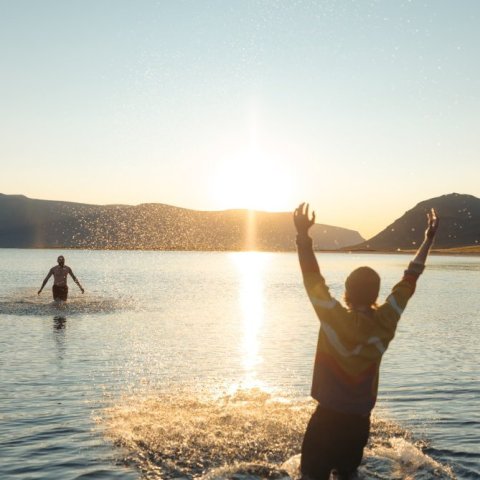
(75,279)
(327,308)
(430,232)
(417,265)
(402,291)
(306,257)
(50,273)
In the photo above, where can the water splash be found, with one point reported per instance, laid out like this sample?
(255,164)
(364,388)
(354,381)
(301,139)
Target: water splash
(244,436)
(408,460)
(29,305)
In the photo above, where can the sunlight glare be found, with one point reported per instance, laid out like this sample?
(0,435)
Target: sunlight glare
(253,180)
(251,268)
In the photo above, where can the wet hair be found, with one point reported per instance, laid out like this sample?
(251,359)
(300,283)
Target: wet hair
(362,287)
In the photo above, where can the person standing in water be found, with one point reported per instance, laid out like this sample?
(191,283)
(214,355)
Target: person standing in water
(351,343)
(60,273)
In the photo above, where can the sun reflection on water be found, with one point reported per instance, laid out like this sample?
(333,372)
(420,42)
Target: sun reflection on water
(251,268)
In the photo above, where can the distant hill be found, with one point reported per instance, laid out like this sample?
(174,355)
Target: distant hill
(29,223)
(459,225)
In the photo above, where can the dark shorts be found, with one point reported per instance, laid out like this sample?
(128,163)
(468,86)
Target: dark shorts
(60,293)
(333,441)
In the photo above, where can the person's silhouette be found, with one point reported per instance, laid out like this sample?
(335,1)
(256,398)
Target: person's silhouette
(60,273)
(351,343)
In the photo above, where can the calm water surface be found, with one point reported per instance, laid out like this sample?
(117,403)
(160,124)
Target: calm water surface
(76,383)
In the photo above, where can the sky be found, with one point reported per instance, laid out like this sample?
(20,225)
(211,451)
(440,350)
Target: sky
(361,108)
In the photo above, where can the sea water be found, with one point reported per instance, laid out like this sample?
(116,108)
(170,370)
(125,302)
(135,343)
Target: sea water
(194,364)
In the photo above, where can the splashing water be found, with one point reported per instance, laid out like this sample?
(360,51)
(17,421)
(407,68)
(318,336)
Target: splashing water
(29,305)
(247,435)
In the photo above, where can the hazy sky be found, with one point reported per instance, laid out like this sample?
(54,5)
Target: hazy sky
(363,108)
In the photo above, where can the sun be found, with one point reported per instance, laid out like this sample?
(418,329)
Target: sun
(252,180)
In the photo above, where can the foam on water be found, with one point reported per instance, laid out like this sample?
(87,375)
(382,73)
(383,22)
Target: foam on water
(33,305)
(247,435)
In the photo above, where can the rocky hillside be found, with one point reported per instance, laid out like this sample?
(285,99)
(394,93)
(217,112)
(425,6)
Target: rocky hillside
(459,225)
(29,223)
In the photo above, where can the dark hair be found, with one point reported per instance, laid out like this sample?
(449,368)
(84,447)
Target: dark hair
(362,287)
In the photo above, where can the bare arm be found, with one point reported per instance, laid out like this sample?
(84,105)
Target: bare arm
(75,279)
(50,273)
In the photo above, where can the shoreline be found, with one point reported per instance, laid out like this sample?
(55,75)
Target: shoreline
(459,251)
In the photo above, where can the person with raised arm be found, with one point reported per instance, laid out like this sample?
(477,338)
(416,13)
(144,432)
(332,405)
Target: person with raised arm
(351,342)
(60,273)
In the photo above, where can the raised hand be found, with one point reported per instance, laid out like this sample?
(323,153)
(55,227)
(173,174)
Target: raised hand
(432,226)
(301,219)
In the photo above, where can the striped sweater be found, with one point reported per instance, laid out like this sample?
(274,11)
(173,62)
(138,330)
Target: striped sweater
(350,343)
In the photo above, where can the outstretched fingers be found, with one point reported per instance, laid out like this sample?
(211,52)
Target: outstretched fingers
(432,223)
(303,211)
(300,209)
(435,219)
(301,218)
(309,220)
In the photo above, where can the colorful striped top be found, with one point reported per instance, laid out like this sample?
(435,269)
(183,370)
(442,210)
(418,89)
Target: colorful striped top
(350,343)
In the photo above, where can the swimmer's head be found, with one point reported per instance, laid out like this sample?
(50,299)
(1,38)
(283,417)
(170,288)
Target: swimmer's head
(61,260)
(362,287)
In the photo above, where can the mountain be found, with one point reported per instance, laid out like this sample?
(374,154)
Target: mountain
(30,223)
(459,225)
